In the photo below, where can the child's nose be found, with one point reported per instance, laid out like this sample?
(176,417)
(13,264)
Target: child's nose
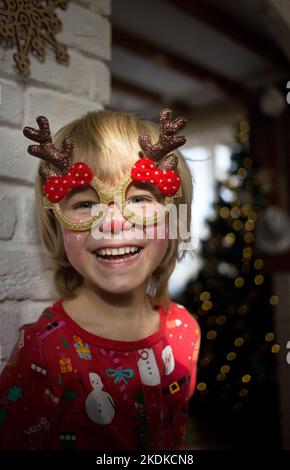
(113,220)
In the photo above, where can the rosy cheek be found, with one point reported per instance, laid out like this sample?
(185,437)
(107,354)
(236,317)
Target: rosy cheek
(74,244)
(157,241)
(158,232)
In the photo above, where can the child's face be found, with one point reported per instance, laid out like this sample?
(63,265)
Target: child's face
(126,271)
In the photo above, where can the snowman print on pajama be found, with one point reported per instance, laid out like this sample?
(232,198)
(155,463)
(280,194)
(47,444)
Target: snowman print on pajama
(168,359)
(148,367)
(99,405)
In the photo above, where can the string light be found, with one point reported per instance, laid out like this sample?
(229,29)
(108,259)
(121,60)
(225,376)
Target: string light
(225,369)
(204,296)
(224,212)
(231,356)
(235,212)
(247,162)
(211,334)
(244,126)
(247,252)
(274,299)
(242,173)
(220,376)
(243,309)
(249,237)
(258,263)
(201,386)
(229,239)
(237,225)
(243,137)
(246,208)
(250,225)
(207,305)
(246,378)
(239,282)
(269,337)
(239,342)
(259,279)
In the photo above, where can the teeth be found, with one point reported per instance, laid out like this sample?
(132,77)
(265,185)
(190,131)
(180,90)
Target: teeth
(117,251)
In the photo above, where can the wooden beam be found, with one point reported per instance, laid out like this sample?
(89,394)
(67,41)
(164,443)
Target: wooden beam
(230,27)
(153,97)
(209,78)
(277,19)
(132,89)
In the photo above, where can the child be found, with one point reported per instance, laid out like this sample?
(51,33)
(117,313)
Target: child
(112,363)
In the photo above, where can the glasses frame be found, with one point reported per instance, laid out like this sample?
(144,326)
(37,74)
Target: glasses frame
(106,196)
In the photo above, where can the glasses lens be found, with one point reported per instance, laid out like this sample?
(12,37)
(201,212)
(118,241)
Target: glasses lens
(144,203)
(80,204)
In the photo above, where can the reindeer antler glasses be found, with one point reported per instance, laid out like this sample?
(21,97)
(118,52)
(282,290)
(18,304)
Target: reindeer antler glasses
(79,199)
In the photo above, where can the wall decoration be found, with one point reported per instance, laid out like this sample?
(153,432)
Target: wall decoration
(33,24)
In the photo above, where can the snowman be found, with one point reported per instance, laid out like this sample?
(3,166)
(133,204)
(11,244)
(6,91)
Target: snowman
(99,405)
(168,359)
(148,368)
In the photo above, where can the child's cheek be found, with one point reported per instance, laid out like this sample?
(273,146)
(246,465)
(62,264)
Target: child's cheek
(158,232)
(74,244)
(158,236)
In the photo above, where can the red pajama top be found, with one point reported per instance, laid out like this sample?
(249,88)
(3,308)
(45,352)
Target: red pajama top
(66,388)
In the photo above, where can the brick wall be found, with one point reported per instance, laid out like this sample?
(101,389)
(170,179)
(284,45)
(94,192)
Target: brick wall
(61,93)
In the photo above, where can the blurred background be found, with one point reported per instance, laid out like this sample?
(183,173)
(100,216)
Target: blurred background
(226,66)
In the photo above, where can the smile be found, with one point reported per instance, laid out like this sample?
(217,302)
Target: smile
(118,257)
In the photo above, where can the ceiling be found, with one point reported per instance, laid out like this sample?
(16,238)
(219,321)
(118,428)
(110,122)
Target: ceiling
(193,55)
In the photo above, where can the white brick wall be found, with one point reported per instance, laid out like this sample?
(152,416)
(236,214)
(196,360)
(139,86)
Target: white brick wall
(61,93)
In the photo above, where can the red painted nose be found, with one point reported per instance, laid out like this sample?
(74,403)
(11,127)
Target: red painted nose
(117,225)
(113,221)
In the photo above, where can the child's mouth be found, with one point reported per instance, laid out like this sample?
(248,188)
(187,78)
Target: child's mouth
(113,258)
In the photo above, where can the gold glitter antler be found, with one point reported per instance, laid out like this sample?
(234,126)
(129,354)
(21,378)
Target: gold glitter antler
(167,141)
(61,159)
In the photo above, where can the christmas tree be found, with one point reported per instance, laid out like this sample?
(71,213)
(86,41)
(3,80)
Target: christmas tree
(235,403)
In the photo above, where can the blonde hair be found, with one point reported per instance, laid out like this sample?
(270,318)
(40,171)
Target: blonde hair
(108,142)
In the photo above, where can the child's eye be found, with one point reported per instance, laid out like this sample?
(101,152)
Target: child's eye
(84,205)
(139,199)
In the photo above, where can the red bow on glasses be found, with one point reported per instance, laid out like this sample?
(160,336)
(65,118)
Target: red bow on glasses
(57,187)
(146,171)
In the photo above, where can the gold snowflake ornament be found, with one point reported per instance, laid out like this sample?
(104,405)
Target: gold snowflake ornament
(33,23)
